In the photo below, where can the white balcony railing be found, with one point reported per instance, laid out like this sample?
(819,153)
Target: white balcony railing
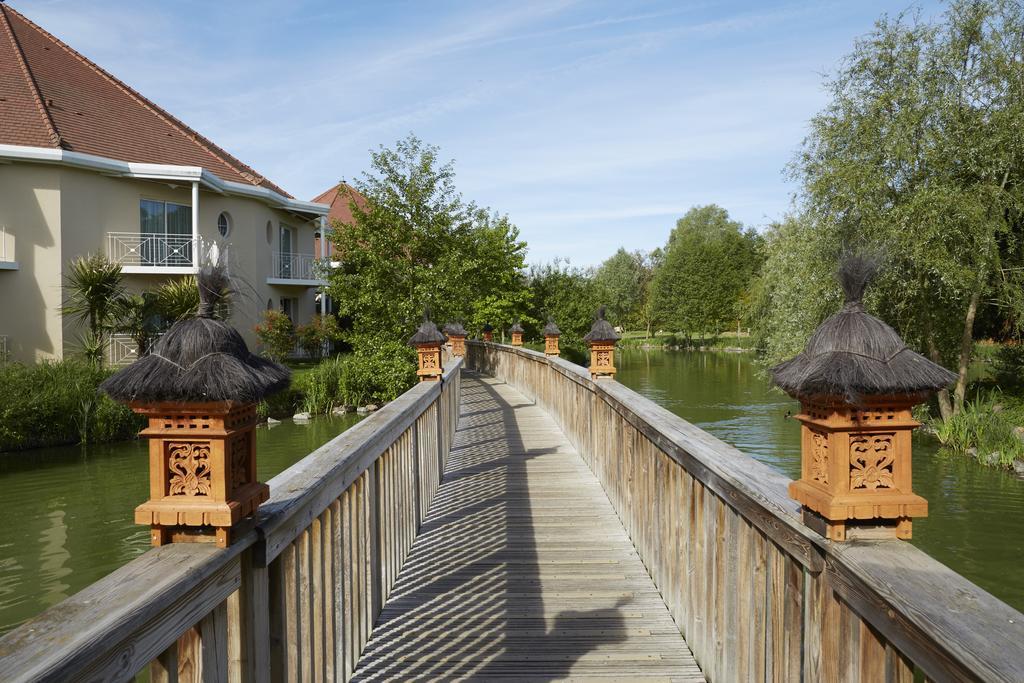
(122,349)
(151,250)
(291,266)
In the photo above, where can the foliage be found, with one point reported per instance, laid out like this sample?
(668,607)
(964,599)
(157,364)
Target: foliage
(55,403)
(622,283)
(138,316)
(314,337)
(277,334)
(1008,367)
(919,153)
(984,428)
(320,386)
(708,264)
(569,295)
(379,373)
(93,286)
(414,243)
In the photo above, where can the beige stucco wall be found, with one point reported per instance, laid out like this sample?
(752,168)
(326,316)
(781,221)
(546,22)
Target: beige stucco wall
(30,297)
(55,214)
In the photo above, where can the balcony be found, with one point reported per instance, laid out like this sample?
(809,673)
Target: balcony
(152,253)
(295,269)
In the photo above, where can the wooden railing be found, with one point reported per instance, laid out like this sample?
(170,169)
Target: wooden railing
(293,599)
(757,595)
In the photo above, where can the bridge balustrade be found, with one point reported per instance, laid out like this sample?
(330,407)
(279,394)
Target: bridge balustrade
(756,594)
(292,599)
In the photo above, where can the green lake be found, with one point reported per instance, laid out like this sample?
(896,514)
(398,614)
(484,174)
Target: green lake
(70,510)
(975,522)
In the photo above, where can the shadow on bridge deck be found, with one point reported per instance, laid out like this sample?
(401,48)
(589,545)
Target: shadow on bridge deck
(521,570)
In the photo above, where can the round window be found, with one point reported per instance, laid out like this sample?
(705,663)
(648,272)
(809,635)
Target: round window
(224,224)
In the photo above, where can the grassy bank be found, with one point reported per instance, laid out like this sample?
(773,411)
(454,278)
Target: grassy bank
(56,404)
(725,341)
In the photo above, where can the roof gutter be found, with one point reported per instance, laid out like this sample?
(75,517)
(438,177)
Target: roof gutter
(165,172)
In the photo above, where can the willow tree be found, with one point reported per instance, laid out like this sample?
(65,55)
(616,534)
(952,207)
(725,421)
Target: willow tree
(920,154)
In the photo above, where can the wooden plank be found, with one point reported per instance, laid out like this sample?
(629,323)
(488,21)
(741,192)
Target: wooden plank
(164,669)
(553,591)
(213,633)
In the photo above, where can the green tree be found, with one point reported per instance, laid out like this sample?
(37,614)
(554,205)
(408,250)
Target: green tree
(414,243)
(920,153)
(622,283)
(93,287)
(568,294)
(707,267)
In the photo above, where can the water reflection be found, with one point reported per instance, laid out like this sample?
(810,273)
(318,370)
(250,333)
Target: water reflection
(75,511)
(976,514)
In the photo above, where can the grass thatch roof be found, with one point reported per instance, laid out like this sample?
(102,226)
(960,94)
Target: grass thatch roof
(601,330)
(199,359)
(516,327)
(427,333)
(455,330)
(487,327)
(551,328)
(854,354)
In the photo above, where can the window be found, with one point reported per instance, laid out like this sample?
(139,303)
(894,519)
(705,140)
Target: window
(285,264)
(290,307)
(166,230)
(224,224)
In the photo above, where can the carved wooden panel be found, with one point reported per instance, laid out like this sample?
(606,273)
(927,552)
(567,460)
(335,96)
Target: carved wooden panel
(819,456)
(238,456)
(871,461)
(189,465)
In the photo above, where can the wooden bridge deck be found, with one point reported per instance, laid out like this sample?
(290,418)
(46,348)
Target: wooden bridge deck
(522,571)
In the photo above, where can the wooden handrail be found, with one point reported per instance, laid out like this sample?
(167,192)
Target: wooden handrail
(756,593)
(293,598)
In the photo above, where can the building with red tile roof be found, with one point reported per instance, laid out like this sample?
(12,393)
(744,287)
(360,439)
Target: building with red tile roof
(339,197)
(89,165)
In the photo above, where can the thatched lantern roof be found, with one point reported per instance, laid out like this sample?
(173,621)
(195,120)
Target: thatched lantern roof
(854,354)
(601,330)
(551,328)
(516,328)
(487,328)
(455,329)
(199,359)
(427,333)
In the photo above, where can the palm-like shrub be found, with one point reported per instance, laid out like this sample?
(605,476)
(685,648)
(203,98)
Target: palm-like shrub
(93,287)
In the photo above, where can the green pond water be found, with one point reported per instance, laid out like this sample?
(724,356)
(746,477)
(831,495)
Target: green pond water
(70,511)
(975,522)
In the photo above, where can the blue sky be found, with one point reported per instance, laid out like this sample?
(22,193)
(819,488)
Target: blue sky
(592,124)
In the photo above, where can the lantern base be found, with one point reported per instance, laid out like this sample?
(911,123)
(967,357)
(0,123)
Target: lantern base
(179,519)
(840,518)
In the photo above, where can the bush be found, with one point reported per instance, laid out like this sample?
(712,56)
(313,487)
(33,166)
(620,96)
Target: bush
(315,336)
(277,334)
(986,427)
(320,387)
(56,403)
(377,373)
(1008,366)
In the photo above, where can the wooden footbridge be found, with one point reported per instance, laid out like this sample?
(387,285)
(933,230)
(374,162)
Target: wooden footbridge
(520,521)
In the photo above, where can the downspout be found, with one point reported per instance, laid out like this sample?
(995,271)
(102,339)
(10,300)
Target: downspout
(195,224)
(325,263)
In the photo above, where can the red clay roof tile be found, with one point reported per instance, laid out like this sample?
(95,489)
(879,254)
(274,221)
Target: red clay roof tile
(52,96)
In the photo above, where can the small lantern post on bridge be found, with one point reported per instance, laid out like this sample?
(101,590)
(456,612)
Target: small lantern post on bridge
(457,336)
(199,388)
(488,332)
(428,340)
(856,382)
(551,334)
(517,334)
(601,339)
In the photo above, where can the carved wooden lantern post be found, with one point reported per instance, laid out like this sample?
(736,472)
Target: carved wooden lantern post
(601,339)
(551,334)
(857,382)
(517,334)
(428,340)
(488,331)
(199,388)
(457,335)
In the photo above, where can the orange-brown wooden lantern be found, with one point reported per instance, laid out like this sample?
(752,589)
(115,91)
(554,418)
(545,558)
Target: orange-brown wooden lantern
(601,339)
(488,332)
(428,340)
(202,466)
(457,336)
(517,334)
(857,382)
(551,334)
(198,389)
